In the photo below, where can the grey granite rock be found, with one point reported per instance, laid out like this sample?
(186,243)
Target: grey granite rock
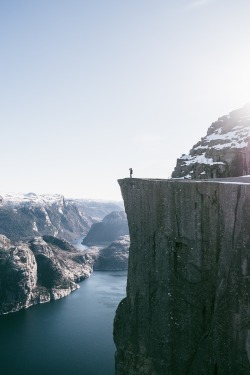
(187,309)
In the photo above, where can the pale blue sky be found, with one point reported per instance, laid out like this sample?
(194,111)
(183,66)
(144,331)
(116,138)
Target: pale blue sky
(89,89)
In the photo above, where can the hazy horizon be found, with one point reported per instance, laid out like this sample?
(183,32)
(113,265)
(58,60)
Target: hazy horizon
(90,89)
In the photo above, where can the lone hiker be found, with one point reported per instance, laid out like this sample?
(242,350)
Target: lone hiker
(131,172)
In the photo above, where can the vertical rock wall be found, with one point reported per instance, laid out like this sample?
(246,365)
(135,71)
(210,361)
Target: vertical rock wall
(187,309)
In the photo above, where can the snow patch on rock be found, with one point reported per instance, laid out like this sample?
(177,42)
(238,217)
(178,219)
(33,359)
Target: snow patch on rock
(223,152)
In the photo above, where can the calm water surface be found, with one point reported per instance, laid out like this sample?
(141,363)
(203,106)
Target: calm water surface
(71,336)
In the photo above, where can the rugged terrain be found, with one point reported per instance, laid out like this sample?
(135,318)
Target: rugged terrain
(223,152)
(37,264)
(43,269)
(109,242)
(25,216)
(187,309)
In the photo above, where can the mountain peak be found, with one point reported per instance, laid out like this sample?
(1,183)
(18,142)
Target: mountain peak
(223,152)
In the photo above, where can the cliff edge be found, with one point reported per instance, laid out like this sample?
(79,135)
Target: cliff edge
(187,309)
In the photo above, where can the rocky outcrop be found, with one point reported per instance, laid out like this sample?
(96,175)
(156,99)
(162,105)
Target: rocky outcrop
(43,269)
(114,257)
(187,309)
(223,152)
(109,229)
(18,278)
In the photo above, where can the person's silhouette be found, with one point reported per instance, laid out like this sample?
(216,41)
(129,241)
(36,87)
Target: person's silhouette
(131,172)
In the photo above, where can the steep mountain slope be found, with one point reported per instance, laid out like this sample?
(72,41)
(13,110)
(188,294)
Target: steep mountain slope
(38,271)
(96,209)
(223,152)
(112,226)
(114,257)
(25,216)
(37,264)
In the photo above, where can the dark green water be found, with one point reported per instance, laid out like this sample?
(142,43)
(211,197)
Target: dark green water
(71,336)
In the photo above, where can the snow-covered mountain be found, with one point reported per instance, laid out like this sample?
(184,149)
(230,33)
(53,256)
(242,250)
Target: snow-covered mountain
(15,199)
(24,216)
(223,152)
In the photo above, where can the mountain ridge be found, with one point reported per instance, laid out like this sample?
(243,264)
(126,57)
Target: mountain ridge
(23,216)
(223,152)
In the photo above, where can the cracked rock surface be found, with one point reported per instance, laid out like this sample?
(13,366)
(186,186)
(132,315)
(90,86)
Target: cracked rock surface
(187,309)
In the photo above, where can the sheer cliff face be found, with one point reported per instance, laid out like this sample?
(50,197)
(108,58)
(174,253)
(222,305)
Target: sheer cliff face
(187,309)
(223,152)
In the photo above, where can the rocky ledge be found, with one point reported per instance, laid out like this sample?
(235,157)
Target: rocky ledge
(38,271)
(187,309)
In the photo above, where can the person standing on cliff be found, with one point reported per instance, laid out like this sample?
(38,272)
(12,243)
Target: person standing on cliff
(131,172)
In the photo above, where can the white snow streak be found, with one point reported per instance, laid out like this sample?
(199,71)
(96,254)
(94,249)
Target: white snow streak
(200,159)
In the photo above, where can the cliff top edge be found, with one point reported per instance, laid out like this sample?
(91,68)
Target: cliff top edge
(242,180)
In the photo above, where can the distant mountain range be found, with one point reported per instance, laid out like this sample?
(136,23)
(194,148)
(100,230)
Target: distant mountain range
(38,262)
(223,152)
(23,216)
